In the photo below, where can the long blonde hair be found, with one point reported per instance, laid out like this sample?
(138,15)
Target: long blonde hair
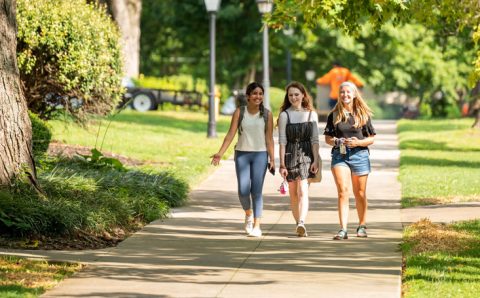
(361,111)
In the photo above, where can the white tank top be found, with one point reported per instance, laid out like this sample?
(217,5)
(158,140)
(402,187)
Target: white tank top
(252,137)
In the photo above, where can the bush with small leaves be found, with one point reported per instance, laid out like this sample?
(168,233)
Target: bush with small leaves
(69,57)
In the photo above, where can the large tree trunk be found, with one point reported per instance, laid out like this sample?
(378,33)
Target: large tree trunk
(127,15)
(15,125)
(475,112)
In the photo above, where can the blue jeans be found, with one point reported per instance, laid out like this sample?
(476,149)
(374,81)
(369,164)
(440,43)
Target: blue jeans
(357,159)
(251,168)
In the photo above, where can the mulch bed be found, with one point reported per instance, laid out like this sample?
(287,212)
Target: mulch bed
(66,150)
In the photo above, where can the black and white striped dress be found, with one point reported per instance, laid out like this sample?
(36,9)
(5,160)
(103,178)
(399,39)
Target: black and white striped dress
(298,150)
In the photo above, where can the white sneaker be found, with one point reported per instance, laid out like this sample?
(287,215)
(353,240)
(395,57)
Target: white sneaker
(301,229)
(248,223)
(256,232)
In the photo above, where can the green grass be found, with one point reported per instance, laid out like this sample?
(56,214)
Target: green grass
(440,161)
(26,278)
(87,199)
(451,270)
(167,140)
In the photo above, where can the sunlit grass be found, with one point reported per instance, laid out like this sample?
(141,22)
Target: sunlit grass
(164,139)
(26,278)
(440,161)
(442,260)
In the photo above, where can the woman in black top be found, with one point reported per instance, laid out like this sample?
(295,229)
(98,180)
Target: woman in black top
(349,130)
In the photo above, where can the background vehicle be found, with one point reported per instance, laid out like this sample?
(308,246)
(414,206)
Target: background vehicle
(145,99)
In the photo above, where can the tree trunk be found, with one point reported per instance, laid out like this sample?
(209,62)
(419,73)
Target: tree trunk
(127,15)
(15,125)
(476,124)
(475,112)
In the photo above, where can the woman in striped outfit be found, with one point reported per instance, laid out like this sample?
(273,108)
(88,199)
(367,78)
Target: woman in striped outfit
(299,158)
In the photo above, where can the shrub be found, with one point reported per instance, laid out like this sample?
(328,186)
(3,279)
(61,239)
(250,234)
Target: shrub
(81,198)
(69,56)
(41,136)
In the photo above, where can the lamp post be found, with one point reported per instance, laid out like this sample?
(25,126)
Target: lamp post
(310,76)
(288,31)
(265,6)
(212,8)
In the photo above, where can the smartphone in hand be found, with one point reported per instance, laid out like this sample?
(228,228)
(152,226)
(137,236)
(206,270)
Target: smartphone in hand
(271,169)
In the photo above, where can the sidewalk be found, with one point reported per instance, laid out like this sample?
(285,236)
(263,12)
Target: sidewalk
(201,251)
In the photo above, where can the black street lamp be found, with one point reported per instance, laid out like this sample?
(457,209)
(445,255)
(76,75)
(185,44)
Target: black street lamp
(288,32)
(265,6)
(212,8)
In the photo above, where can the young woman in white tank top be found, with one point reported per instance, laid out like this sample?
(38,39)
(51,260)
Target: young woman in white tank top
(253,154)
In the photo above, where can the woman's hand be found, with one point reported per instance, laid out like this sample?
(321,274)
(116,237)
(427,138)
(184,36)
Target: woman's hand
(352,142)
(314,168)
(271,166)
(283,172)
(216,159)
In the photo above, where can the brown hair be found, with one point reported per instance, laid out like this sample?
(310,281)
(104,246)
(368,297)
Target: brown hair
(307,99)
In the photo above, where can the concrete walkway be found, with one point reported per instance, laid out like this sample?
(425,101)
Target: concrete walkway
(201,251)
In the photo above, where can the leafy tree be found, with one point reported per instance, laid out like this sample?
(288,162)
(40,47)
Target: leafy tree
(16,137)
(126,14)
(422,60)
(69,54)
(175,39)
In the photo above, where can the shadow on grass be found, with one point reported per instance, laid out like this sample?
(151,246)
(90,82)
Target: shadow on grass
(461,268)
(437,162)
(19,291)
(431,145)
(430,125)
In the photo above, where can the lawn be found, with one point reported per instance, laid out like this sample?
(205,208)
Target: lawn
(26,278)
(440,161)
(175,140)
(442,260)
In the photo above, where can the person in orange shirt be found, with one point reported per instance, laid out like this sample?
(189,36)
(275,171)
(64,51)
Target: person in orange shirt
(336,76)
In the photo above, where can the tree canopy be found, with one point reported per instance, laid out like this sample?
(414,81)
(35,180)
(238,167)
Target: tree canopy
(446,18)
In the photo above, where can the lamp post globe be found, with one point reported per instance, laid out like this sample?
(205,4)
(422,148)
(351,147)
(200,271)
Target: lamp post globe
(310,75)
(265,6)
(212,7)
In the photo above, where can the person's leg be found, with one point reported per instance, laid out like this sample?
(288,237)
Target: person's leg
(341,176)
(360,165)
(302,195)
(359,184)
(242,169)
(293,192)
(303,203)
(258,168)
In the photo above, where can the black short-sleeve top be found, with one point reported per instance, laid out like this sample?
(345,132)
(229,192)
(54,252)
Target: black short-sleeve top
(347,130)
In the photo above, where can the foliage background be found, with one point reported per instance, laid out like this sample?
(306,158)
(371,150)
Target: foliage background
(423,51)
(70,50)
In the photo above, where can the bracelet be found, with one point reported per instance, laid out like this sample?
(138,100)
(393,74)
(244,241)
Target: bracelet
(282,167)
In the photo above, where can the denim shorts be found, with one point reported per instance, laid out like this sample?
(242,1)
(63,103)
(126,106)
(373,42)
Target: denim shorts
(357,159)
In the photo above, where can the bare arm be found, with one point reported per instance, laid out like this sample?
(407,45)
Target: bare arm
(269,141)
(316,158)
(228,138)
(330,140)
(283,169)
(354,142)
